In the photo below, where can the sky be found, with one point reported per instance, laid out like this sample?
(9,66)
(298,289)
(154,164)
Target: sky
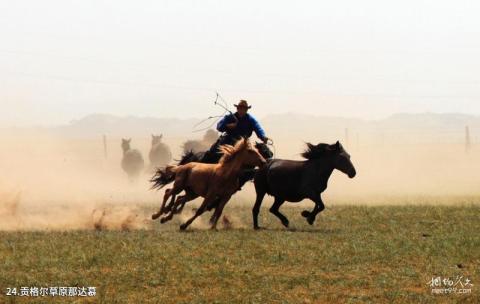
(62,60)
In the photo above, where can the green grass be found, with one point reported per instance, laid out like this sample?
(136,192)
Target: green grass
(353,254)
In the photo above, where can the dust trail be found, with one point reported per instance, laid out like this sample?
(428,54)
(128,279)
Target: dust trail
(227,221)
(200,223)
(9,204)
(121,218)
(15,216)
(231,221)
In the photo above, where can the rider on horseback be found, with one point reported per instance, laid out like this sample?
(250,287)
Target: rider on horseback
(235,126)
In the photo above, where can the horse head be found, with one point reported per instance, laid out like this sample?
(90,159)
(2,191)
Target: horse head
(251,156)
(126,144)
(242,152)
(342,160)
(156,139)
(334,154)
(264,150)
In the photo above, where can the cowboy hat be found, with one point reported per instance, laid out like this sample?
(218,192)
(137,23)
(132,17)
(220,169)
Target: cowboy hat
(243,103)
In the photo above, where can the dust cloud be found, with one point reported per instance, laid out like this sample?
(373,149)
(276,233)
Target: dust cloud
(52,182)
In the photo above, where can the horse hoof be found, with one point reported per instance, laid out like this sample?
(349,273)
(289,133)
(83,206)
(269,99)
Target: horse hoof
(155,216)
(259,228)
(183,227)
(163,220)
(305,213)
(285,224)
(310,221)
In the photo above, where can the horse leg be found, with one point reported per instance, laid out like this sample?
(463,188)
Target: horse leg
(274,209)
(178,187)
(213,204)
(178,206)
(199,212)
(168,208)
(218,211)
(167,194)
(190,196)
(319,207)
(256,209)
(172,210)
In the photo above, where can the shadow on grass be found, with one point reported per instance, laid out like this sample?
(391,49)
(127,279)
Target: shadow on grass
(263,229)
(303,230)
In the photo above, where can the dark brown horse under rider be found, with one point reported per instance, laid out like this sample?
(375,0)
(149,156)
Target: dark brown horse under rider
(234,126)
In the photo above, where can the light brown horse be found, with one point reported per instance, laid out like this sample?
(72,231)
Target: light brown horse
(216,183)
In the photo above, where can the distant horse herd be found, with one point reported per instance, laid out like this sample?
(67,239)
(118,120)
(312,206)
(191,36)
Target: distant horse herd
(285,180)
(160,154)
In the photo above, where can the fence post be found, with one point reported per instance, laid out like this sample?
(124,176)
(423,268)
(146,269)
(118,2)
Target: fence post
(105,146)
(468,143)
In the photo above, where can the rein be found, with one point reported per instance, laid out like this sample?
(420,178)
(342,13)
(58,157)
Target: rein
(271,143)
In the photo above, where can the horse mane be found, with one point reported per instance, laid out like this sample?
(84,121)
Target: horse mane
(194,146)
(230,152)
(188,157)
(315,152)
(185,158)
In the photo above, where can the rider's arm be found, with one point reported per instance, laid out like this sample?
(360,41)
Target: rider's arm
(222,125)
(258,129)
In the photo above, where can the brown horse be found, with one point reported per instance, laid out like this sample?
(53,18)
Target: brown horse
(216,183)
(132,161)
(160,154)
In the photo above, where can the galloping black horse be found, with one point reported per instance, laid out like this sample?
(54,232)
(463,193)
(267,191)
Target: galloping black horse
(293,181)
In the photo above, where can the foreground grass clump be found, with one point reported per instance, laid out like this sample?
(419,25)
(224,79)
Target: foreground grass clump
(383,254)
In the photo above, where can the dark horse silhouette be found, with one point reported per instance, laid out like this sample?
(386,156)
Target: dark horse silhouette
(293,181)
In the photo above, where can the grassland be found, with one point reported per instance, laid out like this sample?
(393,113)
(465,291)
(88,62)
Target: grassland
(353,254)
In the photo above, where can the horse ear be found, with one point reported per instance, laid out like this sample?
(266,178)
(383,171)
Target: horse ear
(337,145)
(310,146)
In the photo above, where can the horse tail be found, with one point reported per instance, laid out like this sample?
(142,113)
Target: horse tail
(163,177)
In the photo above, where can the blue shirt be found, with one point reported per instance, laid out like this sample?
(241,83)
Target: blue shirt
(245,127)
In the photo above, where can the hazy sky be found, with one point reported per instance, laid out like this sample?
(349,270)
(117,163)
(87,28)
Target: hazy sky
(61,60)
